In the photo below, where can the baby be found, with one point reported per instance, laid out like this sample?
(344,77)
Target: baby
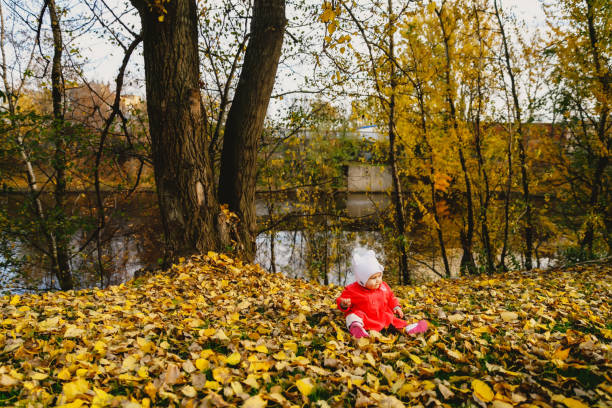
(369,303)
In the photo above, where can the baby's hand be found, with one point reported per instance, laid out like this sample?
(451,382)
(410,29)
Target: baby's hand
(345,303)
(398,311)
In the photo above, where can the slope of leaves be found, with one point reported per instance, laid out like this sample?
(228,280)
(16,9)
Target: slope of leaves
(213,332)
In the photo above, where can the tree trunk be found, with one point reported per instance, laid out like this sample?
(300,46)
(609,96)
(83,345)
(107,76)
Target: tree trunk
(521,145)
(484,201)
(466,236)
(502,261)
(596,207)
(246,116)
(61,250)
(189,209)
(34,191)
(398,198)
(432,172)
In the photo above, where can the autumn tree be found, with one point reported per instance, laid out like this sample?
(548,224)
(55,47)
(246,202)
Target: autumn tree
(581,43)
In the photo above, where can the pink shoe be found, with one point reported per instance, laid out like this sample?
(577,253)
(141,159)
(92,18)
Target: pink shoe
(358,331)
(416,328)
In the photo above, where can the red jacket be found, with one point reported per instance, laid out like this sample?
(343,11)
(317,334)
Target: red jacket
(374,306)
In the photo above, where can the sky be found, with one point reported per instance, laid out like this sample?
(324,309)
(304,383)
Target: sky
(105,60)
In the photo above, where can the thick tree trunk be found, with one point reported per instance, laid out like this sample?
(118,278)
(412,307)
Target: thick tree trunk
(246,117)
(61,247)
(189,209)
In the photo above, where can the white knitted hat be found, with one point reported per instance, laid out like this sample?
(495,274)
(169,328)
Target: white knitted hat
(364,264)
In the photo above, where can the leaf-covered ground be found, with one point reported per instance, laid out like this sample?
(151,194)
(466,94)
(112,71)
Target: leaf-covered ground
(214,332)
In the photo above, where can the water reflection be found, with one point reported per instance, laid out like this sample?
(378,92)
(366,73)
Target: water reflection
(312,248)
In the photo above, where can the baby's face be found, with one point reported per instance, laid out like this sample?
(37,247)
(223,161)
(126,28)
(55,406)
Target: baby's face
(374,281)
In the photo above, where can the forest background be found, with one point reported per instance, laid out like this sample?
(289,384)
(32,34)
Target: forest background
(494,139)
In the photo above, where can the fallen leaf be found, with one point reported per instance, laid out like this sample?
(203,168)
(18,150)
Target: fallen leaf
(305,385)
(482,390)
(509,316)
(255,402)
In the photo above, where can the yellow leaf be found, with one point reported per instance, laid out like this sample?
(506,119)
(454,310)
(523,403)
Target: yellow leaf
(222,374)
(145,345)
(73,389)
(482,391)
(414,358)
(327,15)
(606,387)
(143,372)
(509,316)
(331,28)
(212,385)
(262,348)
(64,374)
(73,331)
(233,359)
(280,356)
(160,18)
(151,390)
(339,333)
(305,385)
(301,360)
(370,360)
(251,381)
(129,377)
(100,347)
(130,362)
(39,376)
(561,353)
(14,300)
(101,399)
(457,317)
(455,354)
(236,387)
(74,404)
(81,372)
(574,403)
(290,346)
(202,364)
(209,332)
(255,402)
(220,335)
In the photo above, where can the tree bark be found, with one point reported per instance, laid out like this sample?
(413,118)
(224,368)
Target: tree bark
(398,198)
(189,209)
(61,249)
(246,117)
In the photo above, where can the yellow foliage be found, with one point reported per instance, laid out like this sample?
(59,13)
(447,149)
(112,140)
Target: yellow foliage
(289,350)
